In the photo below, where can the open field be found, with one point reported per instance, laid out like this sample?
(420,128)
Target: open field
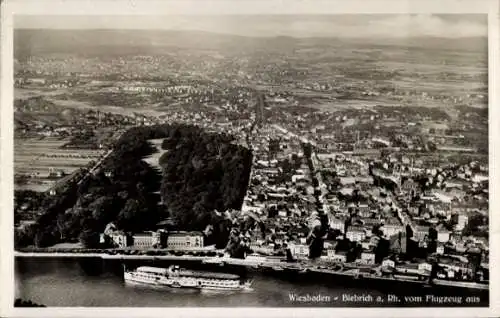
(25,93)
(153,160)
(37,157)
(71,103)
(53,97)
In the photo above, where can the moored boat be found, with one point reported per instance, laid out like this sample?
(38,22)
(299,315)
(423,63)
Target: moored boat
(177,277)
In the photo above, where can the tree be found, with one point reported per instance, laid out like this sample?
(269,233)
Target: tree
(431,146)
(129,214)
(381,250)
(89,239)
(286,166)
(61,224)
(103,209)
(24,237)
(354,251)
(376,230)
(318,232)
(44,238)
(333,234)
(409,231)
(473,225)
(23,303)
(432,234)
(189,186)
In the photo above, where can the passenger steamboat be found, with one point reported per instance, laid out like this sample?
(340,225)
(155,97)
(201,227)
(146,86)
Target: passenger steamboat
(177,277)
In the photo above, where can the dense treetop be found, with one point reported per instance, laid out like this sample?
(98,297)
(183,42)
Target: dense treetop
(200,173)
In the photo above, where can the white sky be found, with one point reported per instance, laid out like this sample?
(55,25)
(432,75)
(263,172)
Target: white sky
(396,25)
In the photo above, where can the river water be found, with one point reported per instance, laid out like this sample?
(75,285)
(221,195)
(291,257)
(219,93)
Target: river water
(64,282)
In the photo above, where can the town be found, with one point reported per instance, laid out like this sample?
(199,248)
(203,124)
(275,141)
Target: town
(397,191)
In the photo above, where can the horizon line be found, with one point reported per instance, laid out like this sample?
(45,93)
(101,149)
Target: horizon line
(360,36)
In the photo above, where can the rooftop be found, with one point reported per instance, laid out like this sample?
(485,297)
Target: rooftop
(185,233)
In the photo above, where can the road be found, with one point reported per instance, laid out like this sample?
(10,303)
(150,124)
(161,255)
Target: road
(98,164)
(322,185)
(63,181)
(313,159)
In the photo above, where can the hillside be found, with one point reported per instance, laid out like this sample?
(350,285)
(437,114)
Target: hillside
(125,42)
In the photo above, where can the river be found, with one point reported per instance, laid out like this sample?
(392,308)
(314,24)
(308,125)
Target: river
(67,282)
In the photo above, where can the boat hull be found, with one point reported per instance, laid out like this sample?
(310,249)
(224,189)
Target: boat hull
(174,283)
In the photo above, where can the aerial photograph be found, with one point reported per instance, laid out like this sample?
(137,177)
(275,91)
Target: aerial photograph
(336,160)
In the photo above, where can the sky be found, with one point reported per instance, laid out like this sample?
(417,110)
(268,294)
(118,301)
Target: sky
(344,25)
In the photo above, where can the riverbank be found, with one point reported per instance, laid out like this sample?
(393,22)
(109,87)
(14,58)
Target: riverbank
(273,267)
(91,282)
(111,256)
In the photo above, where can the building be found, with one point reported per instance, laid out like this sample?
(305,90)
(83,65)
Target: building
(282,213)
(453,266)
(440,249)
(367,257)
(462,222)
(443,235)
(330,252)
(119,239)
(159,238)
(41,81)
(110,228)
(366,244)
(263,249)
(337,224)
(387,263)
(356,234)
(409,187)
(397,243)
(391,227)
(425,268)
(420,233)
(337,257)
(364,210)
(370,222)
(299,250)
(184,240)
(143,240)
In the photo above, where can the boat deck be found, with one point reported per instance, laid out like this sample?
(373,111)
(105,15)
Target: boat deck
(201,274)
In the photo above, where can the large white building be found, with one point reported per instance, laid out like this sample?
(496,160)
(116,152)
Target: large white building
(185,240)
(143,240)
